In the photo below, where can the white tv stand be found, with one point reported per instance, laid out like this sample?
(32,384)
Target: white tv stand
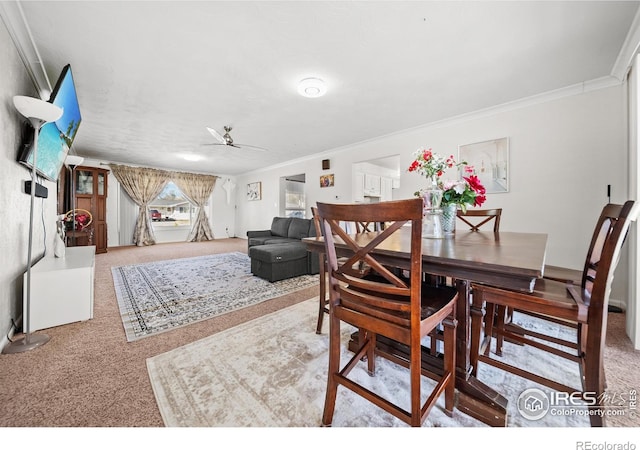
(61,288)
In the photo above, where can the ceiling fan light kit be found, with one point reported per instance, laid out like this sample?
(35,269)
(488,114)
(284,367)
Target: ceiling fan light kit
(312,87)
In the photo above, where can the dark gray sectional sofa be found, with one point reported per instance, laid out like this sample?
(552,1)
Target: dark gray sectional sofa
(279,253)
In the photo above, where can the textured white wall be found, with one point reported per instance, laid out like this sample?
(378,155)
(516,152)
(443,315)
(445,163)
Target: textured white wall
(14,203)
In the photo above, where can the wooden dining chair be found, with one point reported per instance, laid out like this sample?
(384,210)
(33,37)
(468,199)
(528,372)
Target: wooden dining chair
(476,218)
(381,304)
(361,227)
(323,299)
(583,305)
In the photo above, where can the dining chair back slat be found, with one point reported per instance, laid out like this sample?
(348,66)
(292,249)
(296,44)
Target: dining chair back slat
(381,303)
(476,218)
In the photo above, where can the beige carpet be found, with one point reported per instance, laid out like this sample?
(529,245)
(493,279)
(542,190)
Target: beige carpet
(271,372)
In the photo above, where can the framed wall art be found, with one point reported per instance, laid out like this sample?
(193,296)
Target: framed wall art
(326,180)
(490,160)
(254,191)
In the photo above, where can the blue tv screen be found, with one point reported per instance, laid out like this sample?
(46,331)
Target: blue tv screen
(55,138)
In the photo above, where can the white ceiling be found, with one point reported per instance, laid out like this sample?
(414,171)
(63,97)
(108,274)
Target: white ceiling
(152,75)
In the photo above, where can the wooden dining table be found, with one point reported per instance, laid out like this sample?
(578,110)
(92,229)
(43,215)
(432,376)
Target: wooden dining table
(509,260)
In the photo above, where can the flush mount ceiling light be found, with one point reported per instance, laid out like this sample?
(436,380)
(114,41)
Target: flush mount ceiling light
(191,157)
(312,87)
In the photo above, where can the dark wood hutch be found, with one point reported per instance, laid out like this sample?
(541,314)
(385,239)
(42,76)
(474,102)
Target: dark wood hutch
(87,191)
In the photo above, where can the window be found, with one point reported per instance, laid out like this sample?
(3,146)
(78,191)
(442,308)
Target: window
(171,208)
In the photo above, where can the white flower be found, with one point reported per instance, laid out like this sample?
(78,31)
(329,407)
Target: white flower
(457,185)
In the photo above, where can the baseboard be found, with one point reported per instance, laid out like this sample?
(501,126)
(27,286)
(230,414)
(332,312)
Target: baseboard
(618,304)
(4,340)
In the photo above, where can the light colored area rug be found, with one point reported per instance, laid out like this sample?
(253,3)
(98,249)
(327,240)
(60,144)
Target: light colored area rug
(162,295)
(271,372)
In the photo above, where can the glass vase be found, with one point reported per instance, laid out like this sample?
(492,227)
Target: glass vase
(449,214)
(432,213)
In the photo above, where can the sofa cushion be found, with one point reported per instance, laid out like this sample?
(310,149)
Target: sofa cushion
(299,228)
(280,226)
(277,253)
(279,240)
(260,240)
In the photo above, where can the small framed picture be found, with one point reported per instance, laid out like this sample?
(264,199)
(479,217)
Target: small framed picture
(326,180)
(254,191)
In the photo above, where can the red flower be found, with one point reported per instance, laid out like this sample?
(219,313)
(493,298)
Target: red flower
(480,199)
(413,166)
(451,161)
(475,184)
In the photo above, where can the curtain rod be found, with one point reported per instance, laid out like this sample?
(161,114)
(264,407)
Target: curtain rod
(166,170)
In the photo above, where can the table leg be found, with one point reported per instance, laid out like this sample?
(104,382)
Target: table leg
(475,398)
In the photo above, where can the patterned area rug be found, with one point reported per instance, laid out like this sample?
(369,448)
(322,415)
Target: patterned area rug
(271,372)
(163,295)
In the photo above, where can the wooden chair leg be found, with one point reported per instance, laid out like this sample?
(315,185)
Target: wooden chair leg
(500,323)
(415,373)
(593,382)
(334,368)
(371,353)
(594,373)
(433,342)
(323,294)
(489,318)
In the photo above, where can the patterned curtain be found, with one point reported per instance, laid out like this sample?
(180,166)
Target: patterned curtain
(197,188)
(142,185)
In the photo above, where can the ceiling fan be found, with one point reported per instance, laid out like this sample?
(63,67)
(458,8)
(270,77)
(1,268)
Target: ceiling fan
(227,140)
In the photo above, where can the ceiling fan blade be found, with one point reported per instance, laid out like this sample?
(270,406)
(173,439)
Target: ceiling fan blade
(216,135)
(228,141)
(260,149)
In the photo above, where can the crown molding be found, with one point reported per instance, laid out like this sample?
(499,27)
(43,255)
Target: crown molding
(13,17)
(545,97)
(628,51)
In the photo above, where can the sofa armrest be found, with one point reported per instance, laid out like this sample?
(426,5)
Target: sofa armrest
(259,233)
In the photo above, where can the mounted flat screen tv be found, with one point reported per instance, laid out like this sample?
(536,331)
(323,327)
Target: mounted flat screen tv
(54,138)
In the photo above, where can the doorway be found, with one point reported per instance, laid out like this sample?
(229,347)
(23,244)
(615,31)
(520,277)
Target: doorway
(292,196)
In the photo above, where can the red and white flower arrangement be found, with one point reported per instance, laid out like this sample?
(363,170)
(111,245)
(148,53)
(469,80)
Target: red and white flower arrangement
(465,192)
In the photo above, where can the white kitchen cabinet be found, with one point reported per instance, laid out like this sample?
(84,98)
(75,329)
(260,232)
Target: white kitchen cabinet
(371,185)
